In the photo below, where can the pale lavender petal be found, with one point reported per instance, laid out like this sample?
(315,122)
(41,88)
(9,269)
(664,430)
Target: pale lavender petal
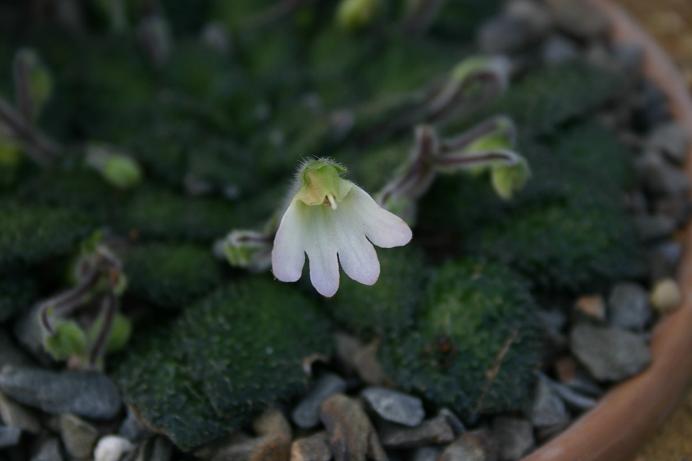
(383,228)
(288,253)
(321,247)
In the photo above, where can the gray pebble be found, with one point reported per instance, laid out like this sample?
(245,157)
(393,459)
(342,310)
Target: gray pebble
(664,259)
(629,306)
(572,398)
(671,140)
(154,449)
(548,410)
(609,354)
(395,406)
(533,14)
(84,393)
(306,414)
(48,450)
(426,454)
(504,34)
(654,227)
(513,436)
(435,431)
(558,49)
(132,429)
(78,436)
(9,436)
(660,178)
(579,18)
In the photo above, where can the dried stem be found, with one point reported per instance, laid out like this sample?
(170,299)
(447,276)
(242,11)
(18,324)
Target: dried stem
(109,306)
(39,147)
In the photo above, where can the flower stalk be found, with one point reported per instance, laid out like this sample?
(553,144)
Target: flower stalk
(100,282)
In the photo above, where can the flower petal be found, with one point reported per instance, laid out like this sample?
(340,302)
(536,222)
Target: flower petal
(321,247)
(356,254)
(383,228)
(288,253)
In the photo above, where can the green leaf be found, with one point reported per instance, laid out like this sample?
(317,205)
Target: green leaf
(226,359)
(475,346)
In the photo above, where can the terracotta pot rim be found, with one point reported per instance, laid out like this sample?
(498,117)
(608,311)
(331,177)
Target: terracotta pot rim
(617,427)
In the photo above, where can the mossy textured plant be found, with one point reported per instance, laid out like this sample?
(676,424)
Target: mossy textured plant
(171,275)
(160,214)
(549,97)
(227,358)
(389,306)
(31,234)
(476,342)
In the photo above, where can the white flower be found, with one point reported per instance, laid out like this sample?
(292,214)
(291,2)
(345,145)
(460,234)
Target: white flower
(334,222)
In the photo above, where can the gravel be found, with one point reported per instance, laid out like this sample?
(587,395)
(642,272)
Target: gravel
(84,393)
(394,406)
(628,305)
(609,354)
(306,414)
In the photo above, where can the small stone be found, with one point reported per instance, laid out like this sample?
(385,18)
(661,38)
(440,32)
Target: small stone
(565,368)
(132,429)
(306,414)
(610,354)
(676,207)
(513,436)
(666,296)
(313,448)
(505,34)
(629,306)
(585,385)
(84,393)
(671,140)
(351,435)
(660,178)
(471,446)
(426,454)
(48,450)
(664,259)
(240,447)
(78,436)
(558,49)
(435,431)
(155,449)
(14,415)
(9,436)
(578,18)
(395,406)
(360,357)
(572,398)
(453,420)
(532,14)
(27,331)
(591,307)
(548,410)
(654,227)
(112,448)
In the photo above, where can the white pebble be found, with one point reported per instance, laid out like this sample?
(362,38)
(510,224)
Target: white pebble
(112,448)
(666,296)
